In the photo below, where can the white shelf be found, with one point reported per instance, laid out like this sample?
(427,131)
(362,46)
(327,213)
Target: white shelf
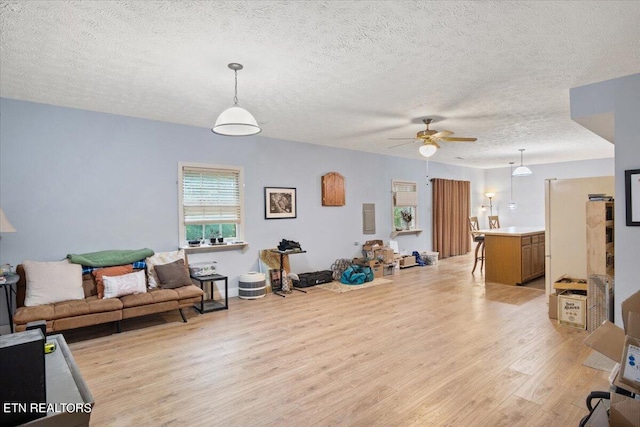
(214,248)
(415,231)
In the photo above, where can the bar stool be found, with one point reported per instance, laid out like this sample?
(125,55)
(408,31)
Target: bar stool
(494,222)
(474,227)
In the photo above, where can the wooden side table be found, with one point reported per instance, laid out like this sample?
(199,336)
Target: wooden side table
(207,306)
(9,291)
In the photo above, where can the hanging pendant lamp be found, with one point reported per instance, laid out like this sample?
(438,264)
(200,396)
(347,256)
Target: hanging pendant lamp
(521,170)
(236,121)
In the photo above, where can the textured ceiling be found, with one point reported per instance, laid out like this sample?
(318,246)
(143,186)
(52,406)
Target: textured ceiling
(345,74)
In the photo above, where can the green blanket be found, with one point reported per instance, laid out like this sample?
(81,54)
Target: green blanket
(111,257)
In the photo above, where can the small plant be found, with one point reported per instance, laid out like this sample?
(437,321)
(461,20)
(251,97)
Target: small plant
(406,216)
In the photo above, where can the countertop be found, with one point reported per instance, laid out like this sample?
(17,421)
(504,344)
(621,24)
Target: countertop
(516,231)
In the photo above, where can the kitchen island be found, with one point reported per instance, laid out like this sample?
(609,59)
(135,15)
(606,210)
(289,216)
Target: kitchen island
(513,255)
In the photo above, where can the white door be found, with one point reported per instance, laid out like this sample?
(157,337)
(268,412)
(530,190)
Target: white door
(565,225)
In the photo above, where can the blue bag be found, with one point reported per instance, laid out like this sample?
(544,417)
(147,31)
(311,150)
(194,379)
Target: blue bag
(356,275)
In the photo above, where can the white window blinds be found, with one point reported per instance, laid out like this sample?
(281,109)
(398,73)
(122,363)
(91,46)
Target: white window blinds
(211,196)
(405,194)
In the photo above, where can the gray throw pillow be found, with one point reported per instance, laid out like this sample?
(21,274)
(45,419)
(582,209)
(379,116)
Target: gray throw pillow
(173,275)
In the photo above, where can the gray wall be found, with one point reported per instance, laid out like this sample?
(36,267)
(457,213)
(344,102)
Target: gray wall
(528,191)
(74,181)
(622,97)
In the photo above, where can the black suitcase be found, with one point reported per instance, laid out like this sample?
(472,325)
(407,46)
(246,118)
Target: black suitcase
(314,278)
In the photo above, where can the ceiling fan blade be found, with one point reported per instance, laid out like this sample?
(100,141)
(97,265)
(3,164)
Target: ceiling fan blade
(442,134)
(454,139)
(400,145)
(413,139)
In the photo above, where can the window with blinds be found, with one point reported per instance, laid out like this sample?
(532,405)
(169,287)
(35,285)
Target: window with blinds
(405,203)
(211,202)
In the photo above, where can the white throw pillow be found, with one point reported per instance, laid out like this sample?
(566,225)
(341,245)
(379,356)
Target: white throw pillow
(50,282)
(127,284)
(161,258)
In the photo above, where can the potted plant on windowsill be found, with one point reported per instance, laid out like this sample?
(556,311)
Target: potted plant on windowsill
(216,239)
(407,217)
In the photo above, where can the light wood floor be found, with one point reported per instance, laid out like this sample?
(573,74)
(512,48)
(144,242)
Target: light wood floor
(436,347)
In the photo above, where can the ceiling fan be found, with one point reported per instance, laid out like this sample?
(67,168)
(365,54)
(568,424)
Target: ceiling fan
(430,139)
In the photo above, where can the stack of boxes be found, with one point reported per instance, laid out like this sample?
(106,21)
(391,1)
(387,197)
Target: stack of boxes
(379,257)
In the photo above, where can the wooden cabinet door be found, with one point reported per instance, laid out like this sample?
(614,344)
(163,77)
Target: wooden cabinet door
(332,189)
(537,254)
(541,259)
(527,262)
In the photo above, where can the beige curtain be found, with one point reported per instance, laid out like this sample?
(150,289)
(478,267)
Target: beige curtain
(451,210)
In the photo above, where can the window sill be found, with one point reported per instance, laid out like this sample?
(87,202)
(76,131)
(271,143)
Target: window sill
(214,248)
(415,231)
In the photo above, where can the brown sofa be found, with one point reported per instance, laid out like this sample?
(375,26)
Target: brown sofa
(92,310)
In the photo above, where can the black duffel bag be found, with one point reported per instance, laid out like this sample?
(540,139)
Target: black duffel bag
(314,278)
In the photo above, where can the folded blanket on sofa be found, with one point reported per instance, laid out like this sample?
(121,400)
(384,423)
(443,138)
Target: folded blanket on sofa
(110,258)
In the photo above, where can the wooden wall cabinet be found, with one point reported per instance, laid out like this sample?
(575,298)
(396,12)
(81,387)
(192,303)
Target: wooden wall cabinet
(600,253)
(332,189)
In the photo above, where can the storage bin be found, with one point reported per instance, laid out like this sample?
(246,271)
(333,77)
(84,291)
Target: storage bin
(430,258)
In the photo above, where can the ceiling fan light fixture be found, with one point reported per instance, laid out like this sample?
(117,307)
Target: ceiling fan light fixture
(427,149)
(236,121)
(521,170)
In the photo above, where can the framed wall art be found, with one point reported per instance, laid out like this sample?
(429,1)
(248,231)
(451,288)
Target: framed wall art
(279,203)
(632,196)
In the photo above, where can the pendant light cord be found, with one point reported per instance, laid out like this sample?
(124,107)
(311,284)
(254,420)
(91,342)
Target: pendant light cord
(235,97)
(511,182)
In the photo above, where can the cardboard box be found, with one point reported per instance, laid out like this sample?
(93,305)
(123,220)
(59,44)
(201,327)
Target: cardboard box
(388,269)
(624,412)
(619,344)
(553,306)
(385,253)
(564,283)
(366,262)
(572,310)
(407,261)
(377,271)
(370,246)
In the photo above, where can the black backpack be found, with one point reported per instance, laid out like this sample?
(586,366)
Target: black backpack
(288,245)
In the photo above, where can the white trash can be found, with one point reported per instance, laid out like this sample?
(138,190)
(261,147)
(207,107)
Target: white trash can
(252,285)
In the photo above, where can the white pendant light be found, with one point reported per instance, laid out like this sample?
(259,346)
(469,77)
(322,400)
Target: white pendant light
(521,170)
(428,149)
(236,121)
